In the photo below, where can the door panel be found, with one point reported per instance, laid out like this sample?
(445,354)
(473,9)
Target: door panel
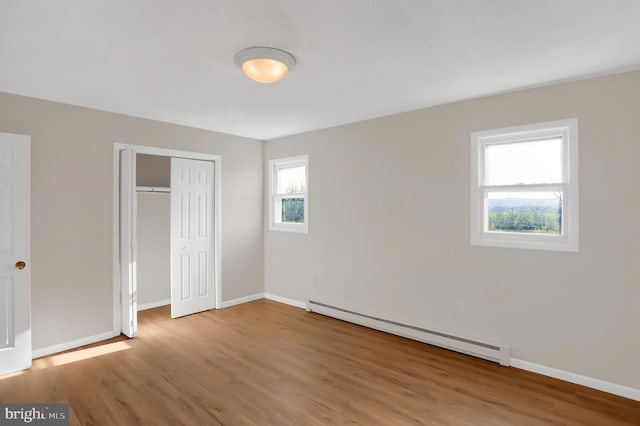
(191,236)
(6,229)
(128,273)
(15,277)
(6,313)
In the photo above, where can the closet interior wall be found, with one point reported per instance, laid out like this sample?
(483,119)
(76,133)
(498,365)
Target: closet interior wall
(153,177)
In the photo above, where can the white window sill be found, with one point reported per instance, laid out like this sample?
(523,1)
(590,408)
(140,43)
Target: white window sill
(529,242)
(300,229)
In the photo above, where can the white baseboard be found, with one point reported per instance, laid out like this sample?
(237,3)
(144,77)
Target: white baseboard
(291,302)
(244,299)
(578,379)
(61,347)
(151,305)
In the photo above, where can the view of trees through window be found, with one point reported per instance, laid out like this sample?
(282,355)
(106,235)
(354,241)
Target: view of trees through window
(522,214)
(293,210)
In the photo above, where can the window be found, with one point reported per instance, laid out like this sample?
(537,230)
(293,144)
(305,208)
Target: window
(524,186)
(289,194)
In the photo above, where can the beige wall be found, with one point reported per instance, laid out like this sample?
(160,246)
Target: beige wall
(72,192)
(389,230)
(153,255)
(153,170)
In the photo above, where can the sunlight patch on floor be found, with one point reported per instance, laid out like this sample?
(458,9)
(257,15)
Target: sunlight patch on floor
(80,355)
(83,354)
(17,373)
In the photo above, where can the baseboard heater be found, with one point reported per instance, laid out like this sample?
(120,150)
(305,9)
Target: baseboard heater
(488,351)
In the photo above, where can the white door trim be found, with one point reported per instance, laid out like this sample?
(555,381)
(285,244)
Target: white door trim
(217,211)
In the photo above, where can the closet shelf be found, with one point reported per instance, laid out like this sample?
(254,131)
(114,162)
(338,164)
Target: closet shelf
(153,189)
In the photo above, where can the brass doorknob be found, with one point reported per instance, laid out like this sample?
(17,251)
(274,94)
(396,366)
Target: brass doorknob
(20,264)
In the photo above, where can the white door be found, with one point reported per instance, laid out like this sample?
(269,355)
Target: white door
(192,285)
(15,267)
(128,200)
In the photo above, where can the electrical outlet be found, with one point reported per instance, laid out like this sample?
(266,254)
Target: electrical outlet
(462,305)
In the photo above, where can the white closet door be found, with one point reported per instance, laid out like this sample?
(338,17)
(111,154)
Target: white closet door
(15,265)
(128,274)
(192,285)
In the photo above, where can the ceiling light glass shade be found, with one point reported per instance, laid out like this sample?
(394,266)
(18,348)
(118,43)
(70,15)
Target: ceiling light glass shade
(264,64)
(264,70)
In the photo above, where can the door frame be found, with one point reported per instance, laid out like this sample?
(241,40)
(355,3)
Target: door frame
(217,217)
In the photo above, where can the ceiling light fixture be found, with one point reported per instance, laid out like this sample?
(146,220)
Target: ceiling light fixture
(264,64)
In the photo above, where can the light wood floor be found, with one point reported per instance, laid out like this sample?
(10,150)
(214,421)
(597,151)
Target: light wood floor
(268,363)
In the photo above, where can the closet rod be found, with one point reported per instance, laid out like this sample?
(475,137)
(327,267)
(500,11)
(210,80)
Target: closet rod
(153,189)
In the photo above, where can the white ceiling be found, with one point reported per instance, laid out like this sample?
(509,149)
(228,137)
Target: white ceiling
(172,60)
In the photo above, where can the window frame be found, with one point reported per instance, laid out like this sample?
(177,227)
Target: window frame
(275,198)
(568,240)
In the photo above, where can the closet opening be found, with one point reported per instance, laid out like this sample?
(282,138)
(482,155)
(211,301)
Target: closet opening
(166,233)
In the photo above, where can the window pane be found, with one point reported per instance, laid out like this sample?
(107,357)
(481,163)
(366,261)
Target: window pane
(527,212)
(292,210)
(291,180)
(538,161)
